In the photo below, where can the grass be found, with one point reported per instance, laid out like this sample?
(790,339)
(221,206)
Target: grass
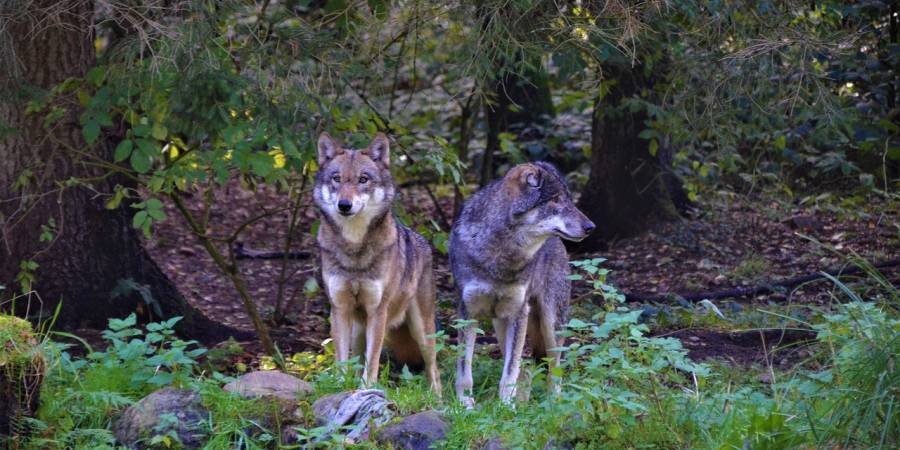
(621,388)
(750,268)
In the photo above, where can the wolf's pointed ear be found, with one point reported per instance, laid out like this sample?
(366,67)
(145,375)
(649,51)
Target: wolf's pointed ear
(380,149)
(531,176)
(328,148)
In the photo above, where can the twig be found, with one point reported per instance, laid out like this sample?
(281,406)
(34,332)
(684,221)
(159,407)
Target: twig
(230,270)
(242,252)
(282,279)
(387,124)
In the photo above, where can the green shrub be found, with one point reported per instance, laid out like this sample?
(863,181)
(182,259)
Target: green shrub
(84,396)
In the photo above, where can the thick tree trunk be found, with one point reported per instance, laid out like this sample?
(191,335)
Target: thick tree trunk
(93,248)
(517,103)
(628,190)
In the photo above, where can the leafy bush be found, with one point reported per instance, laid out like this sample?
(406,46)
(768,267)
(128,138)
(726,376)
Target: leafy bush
(83,396)
(855,401)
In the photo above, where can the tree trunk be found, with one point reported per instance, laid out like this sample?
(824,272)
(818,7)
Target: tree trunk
(518,101)
(92,248)
(628,190)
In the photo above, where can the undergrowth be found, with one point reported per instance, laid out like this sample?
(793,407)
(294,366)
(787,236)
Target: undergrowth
(621,388)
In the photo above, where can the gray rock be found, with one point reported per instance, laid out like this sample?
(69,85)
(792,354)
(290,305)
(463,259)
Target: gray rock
(355,411)
(416,432)
(161,412)
(494,444)
(270,383)
(497,444)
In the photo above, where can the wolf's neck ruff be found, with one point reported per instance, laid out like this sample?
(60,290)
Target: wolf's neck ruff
(497,246)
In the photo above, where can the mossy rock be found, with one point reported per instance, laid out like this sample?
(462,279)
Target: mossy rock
(22,366)
(18,341)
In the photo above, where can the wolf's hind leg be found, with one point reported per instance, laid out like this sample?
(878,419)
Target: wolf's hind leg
(421,325)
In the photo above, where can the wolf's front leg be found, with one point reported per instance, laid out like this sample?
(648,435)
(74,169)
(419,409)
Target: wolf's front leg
(464,380)
(512,361)
(342,301)
(376,323)
(551,342)
(341,330)
(375,328)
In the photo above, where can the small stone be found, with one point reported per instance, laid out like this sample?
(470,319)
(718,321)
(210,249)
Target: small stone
(416,432)
(354,409)
(494,444)
(270,383)
(161,412)
(803,222)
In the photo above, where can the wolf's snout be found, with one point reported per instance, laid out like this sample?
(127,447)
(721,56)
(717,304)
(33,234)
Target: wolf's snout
(344,206)
(588,227)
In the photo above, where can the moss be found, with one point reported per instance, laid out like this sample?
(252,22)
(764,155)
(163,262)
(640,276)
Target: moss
(22,367)
(17,341)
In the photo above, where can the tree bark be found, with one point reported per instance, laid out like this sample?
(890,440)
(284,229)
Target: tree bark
(628,190)
(92,248)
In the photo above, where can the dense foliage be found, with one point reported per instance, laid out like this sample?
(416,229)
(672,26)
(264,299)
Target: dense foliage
(621,388)
(794,97)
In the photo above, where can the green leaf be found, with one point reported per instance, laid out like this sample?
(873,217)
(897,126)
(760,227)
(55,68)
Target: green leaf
(140,161)
(780,142)
(649,133)
(262,164)
(232,135)
(154,204)
(156,214)
(310,287)
(654,146)
(91,131)
(123,150)
(103,118)
(96,75)
(139,219)
(115,200)
(159,131)
(141,130)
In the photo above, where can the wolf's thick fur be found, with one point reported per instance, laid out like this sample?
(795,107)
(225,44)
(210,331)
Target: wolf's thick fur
(377,273)
(509,264)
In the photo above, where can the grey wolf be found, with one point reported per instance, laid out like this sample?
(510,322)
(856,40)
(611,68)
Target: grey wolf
(509,264)
(377,273)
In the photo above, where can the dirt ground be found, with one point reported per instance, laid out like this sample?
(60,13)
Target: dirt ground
(727,242)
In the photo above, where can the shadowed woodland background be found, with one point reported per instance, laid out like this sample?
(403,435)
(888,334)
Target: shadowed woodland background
(157,156)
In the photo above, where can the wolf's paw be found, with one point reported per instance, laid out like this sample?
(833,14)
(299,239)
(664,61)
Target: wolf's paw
(467,401)
(508,394)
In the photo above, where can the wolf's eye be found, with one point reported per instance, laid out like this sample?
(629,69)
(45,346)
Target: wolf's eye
(336,178)
(363,179)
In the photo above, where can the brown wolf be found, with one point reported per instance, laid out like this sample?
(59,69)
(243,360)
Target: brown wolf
(377,273)
(509,264)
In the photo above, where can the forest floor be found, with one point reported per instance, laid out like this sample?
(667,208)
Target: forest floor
(728,241)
